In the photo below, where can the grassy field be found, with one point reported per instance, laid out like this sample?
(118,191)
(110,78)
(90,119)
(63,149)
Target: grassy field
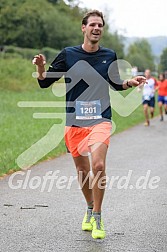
(18,129)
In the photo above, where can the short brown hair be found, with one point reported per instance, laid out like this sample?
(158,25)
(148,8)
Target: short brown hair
(163,74)
(92,13)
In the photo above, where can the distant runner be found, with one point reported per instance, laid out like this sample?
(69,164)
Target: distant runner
(162,95)
(148,97)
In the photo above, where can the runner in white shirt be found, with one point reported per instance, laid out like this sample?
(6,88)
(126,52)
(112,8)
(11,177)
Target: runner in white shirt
(148,97)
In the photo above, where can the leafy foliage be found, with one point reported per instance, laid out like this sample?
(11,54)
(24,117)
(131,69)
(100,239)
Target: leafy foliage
(163,60)
(46,23)
(140,55)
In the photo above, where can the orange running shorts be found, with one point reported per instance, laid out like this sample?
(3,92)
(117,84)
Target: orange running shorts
(79,139)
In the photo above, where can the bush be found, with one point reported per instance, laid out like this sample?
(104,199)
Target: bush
(49,53)
(28,53)
(16,74)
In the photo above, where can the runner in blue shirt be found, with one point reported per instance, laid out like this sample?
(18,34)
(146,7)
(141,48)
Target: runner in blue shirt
(88,76)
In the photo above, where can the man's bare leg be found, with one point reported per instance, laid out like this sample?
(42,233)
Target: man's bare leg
(160,110)
(83,169)
(98,153)
(152,112)
(145,108)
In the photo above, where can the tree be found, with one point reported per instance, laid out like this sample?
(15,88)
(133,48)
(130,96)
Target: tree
(163,60)
(113,41)
(140,55)
(47,23)
(22,23)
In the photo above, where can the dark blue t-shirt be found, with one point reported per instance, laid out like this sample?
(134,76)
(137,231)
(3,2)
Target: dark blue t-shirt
(88,77)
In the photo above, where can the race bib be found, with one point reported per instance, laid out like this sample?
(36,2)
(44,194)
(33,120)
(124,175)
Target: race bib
(88,110)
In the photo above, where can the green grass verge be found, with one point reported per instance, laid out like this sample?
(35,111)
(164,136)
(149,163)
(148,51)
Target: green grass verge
(19,130)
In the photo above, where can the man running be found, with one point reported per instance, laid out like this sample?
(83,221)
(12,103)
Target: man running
(88,110)
(148,97)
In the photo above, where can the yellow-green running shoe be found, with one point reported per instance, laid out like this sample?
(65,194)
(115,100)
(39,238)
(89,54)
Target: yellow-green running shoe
(86,225)
(98,231)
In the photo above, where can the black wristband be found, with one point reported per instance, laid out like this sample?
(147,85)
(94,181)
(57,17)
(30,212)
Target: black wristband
(127,83)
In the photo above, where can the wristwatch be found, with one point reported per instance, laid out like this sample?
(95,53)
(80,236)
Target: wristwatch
(127,83)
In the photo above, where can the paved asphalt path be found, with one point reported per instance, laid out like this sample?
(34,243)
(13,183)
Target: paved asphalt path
(134,211)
